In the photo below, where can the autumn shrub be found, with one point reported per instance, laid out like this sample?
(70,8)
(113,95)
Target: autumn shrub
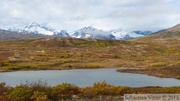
(20,93)
(118,90)
(103,88)
(41,90)
(3,91)
(37,86)
(36,91)
(39,96)
(64,91)
(86,92)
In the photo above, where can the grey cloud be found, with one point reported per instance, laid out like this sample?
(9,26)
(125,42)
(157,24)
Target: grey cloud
(105,14)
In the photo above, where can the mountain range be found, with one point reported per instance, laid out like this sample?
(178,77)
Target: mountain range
(85,32)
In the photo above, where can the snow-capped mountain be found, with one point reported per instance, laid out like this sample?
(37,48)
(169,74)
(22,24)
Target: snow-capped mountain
(62,33)
(86,32)
(90,32)
(121,34)
(35,28)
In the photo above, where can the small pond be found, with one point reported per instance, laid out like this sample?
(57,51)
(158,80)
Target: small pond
(86,77)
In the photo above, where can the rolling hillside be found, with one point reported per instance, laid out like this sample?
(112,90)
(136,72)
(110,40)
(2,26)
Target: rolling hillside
(168,61)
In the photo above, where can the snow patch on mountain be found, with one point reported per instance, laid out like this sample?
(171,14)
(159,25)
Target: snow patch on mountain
(62,33)
(90,32)
(38,29)
(122,34)
(35,28)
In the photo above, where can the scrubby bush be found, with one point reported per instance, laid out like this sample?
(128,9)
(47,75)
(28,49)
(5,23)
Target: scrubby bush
(39,96)
(64,91)
(3,91)
(103,88)
(20,93)
(39,91)
(36,91)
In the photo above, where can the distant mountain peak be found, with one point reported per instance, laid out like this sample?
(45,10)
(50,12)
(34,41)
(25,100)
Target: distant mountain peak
(33,24)
(91,32)
(88,28)
(36,28)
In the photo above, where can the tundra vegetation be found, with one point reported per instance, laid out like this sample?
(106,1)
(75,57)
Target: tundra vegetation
(40,91)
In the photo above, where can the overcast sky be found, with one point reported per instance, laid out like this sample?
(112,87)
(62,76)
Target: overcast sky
(102,14)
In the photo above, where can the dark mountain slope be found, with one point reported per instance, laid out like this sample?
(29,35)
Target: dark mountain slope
(8,35)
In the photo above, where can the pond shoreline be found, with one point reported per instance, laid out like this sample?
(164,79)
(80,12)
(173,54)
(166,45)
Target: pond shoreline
(160,72)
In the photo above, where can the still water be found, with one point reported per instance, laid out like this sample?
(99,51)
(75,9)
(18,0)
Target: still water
(85,77)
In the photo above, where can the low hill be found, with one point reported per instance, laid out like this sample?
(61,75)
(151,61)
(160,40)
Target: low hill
(169,38)
(171,33)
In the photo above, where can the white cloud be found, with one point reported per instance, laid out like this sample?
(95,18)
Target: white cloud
(104,14)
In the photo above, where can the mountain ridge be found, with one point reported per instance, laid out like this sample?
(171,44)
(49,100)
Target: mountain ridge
(85,32)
